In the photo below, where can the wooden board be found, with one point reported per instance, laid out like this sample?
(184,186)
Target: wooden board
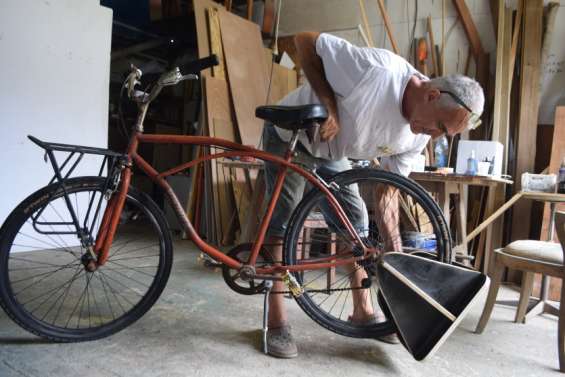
(216,42)
(528,111)
(388,26)
(219,119)
(469,27)
(247,73)
(202,38)
(282,80)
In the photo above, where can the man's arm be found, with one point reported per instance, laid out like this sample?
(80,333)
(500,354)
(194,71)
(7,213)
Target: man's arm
(314,70)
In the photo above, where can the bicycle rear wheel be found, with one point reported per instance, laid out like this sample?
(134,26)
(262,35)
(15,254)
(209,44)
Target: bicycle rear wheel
(312,236)
(44,285)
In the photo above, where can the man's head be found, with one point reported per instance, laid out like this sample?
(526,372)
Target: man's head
(448,104)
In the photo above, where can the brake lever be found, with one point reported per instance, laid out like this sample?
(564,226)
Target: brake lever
(133,80)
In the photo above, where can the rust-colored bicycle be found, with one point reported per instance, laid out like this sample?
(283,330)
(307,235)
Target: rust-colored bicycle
(84,257)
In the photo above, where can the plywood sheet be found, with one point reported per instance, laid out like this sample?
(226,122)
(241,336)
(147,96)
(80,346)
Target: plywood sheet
(281,80)
(247,73)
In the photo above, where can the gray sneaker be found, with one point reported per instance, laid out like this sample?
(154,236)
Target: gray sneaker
(280,343)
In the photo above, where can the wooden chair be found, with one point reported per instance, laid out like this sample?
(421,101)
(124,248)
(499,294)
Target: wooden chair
(530,257)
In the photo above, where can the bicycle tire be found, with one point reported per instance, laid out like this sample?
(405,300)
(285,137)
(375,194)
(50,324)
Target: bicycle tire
(143,210)
(310,200)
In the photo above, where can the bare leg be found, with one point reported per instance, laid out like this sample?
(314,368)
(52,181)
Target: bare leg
(277,309)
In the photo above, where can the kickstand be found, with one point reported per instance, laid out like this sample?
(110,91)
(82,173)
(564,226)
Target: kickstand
(267,291)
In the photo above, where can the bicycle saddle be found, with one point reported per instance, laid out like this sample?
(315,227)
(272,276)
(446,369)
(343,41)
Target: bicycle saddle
(292,117)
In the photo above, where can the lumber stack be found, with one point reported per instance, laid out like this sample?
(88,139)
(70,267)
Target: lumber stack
(227,195)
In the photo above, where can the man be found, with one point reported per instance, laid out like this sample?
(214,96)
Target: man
(378,106)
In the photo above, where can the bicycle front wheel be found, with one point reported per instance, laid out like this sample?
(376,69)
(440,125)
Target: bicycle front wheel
(390,213)
(44,284)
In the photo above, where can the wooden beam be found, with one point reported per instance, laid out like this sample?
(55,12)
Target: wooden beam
(528,110)
(515,34)
(249,9)
(388,27)
(368,33)
(201,21)
(432,46)
(469,27)
(215,36)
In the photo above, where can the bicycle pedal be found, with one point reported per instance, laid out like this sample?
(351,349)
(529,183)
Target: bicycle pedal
(293,285)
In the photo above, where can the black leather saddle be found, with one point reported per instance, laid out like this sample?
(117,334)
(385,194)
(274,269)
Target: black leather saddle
(292,117)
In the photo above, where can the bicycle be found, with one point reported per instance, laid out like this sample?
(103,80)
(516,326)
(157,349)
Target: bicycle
(72,269)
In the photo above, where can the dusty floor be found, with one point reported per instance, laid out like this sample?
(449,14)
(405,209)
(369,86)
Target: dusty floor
(199,327)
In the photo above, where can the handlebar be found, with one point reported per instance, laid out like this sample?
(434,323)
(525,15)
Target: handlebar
(199,65)
(171,77)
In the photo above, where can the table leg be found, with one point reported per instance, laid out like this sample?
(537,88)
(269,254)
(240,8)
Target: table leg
(488,253)
(443,201)
(461,212)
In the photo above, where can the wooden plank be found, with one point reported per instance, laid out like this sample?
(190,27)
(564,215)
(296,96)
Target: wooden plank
(247,73)
(366,27)
(224,129)
(501,115)
(469,27)
(388,26)
(432,46)
(219,118)
(528,110)
(249,9)
(216,42)
(281,81)
(515,34)
(202,28)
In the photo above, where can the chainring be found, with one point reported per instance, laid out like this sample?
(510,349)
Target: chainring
(232,277)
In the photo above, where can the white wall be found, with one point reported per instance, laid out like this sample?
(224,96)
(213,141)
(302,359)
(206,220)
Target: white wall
(54,79)
(341,17)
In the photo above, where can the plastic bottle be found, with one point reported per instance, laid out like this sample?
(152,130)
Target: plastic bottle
(561,179)
(440,151)
(472,164)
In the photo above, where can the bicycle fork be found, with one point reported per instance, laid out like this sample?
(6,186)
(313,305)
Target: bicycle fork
(111,218)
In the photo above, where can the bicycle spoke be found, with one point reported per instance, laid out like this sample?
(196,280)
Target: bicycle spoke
(50,290)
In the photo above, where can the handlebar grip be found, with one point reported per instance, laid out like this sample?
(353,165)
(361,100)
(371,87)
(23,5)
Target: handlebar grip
(198,65)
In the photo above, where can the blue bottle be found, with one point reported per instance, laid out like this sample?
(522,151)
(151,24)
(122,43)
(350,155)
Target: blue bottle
(440,152)
(472,164)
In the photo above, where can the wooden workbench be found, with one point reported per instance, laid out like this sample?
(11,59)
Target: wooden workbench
(443,185)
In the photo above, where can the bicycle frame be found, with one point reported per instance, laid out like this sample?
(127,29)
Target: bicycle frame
(113,210)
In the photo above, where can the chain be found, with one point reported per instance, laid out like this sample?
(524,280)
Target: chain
(314,291)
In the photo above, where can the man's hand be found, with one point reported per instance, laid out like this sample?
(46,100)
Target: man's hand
(330,127)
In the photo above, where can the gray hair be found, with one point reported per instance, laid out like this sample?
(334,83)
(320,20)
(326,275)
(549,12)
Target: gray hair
(467,89)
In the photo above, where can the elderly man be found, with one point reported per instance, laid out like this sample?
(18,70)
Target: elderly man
(378,106)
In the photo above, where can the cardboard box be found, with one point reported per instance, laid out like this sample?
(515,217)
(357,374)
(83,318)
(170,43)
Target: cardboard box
(490,150)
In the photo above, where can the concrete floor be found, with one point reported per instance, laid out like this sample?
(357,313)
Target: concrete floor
(199,327)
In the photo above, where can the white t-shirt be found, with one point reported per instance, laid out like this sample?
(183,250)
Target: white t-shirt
(369,85)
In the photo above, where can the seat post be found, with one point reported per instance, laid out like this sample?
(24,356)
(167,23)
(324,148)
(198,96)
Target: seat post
(292,143)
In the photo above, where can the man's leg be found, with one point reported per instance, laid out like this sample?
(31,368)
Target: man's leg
(279,339)
(277,309)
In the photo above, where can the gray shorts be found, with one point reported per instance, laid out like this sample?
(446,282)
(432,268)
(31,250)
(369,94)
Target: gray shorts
(294,187)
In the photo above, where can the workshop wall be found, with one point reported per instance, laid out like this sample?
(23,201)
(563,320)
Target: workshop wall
(342,17)
(55,75)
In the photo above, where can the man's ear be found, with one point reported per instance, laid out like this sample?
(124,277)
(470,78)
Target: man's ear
(432,94)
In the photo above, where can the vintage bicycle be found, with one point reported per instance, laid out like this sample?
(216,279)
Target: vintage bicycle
(85,257)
